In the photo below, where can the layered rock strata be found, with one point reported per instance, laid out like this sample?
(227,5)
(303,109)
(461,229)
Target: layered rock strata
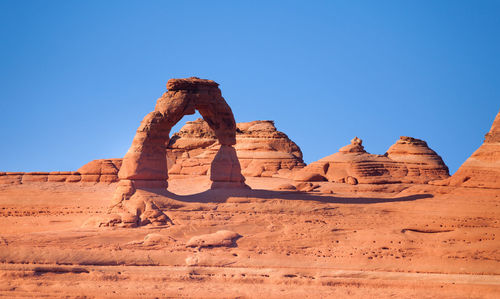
(421,162)
(262,150)
(410,160)
(97,171)
(104,171)
(482,168)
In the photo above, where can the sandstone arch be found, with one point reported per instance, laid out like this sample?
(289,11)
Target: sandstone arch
(144,167)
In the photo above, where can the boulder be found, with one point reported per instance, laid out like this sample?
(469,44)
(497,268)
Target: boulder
(286,187)
(222,238)
(306,186)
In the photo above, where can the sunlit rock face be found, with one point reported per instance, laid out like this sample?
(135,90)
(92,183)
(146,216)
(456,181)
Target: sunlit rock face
(100,171)
(262,150)
(409,160)
(96,171)
(422,163)
(144,173)
(482,168)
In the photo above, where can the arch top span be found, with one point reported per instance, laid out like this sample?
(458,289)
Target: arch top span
(145,165)
(184,96)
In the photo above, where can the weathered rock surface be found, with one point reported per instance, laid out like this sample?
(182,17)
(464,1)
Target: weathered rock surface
(224,238)
(103,170)
(261,149)
(11,178)
(410,160)
(59,176)
(482,168)
(97,171)
(422,163)
(144,167)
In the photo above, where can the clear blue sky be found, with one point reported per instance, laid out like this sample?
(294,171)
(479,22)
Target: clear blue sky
(77,77)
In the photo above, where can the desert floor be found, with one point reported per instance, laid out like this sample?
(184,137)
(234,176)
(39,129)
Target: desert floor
(416,241)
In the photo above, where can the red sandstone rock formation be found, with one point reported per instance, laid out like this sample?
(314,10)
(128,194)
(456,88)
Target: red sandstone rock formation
(11,178)
(482,169)
(422,163)
(410,160)
(103,170)
(261,149)
(143,174)
(97,171)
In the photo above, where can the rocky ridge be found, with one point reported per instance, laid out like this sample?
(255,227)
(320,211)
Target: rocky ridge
(409,160)
(96,171)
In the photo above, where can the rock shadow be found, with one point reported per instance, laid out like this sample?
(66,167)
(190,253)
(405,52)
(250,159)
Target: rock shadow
(222,196)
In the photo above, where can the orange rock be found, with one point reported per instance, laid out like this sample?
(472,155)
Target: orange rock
(13,178)
(307,176)
(223,238)
(306,186)
(58,176)
(225,168)
(144,166)
(261,149)
(482,169)
(73,177)
(410,160)
(103,170)
(30,177)
(353,161)
(286,187)
(423,164)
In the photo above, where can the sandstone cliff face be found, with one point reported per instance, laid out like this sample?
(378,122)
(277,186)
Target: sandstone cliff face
(410,160)
(482,169)
(261,149)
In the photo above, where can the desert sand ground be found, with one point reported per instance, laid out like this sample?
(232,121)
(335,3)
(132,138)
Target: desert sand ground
(416,241)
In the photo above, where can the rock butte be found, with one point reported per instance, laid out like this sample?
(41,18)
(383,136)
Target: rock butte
(482,169)
(262,150)
(409,160)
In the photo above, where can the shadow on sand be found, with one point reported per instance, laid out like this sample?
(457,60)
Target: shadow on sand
(238,195)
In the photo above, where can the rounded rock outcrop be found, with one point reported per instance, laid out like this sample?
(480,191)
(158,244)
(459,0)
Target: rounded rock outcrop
(423,164)
(102,170)
(262,150)
(409,160)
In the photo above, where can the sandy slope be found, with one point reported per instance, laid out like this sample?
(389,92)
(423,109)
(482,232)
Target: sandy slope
(424,241)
